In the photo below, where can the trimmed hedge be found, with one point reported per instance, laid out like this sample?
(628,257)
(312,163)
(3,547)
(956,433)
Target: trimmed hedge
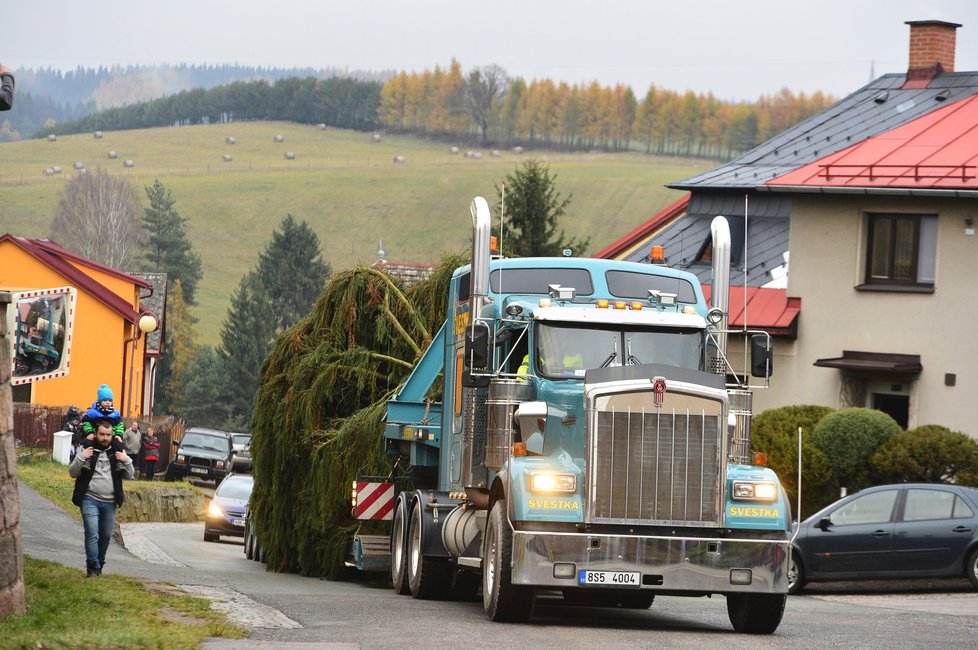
(848,438)
(927,454)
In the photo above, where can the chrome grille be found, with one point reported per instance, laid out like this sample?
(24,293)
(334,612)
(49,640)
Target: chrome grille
(657,467)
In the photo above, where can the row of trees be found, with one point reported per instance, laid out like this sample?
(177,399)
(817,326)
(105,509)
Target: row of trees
(339,102)
(488,105)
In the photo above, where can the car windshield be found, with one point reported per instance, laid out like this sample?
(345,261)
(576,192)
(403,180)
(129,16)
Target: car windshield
(234,489)
(203,441)
(565,350)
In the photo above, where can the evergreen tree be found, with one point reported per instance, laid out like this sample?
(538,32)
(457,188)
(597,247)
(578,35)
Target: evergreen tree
(532,207)
(271,298)
(202,399)
(168,249)
(176,364)
(292,271)
(246,338)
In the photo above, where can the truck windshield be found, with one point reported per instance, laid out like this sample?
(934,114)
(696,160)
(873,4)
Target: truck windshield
(568,350)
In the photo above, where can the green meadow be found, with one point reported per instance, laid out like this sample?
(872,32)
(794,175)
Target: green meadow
(345,185)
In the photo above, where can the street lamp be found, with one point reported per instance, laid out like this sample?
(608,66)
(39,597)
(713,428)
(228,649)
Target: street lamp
(147,323)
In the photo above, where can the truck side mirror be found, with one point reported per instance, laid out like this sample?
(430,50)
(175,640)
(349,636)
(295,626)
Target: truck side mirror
(477,348)
(761,356)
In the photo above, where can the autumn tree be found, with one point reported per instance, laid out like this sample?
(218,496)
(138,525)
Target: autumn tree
(98,218)
(532,207)
(484,89)
(168,248)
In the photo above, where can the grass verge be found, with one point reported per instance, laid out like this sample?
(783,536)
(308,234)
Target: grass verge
(51,481)
(66,610)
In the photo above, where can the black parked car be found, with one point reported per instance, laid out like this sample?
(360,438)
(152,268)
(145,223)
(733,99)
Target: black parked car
(912,530)
(203,453)
(226,511)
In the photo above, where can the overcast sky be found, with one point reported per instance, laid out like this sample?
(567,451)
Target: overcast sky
(738,49)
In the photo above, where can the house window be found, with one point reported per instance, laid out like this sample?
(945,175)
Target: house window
(902,250)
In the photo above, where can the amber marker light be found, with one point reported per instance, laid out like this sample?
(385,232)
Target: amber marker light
(620,304)
(760,458)
(657,255)
(519,449)
(493,245)
(602,304)
(637,306)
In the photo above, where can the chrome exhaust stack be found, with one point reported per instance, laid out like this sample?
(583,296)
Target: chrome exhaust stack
(720,292)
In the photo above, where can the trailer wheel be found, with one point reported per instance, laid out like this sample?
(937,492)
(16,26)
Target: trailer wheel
(428,577)
(756,613)
(503,601)
(398,549)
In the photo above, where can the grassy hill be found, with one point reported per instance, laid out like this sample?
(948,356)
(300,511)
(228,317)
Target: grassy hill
(344,185)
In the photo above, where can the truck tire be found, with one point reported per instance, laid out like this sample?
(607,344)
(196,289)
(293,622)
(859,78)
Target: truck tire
(796,574)
(399,549)
(428,577)
(503,601)
(756,613)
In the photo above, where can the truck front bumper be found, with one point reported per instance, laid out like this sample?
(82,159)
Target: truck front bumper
(679,565)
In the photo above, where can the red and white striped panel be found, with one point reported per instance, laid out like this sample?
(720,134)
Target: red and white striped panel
(374,501)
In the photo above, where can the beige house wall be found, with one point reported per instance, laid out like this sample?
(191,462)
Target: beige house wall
(828,257)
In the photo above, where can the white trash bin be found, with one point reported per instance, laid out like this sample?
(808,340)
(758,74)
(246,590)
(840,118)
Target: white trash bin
(62,447)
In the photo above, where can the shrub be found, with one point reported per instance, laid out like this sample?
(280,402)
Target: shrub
(927,454)
(848,437)
(775,432)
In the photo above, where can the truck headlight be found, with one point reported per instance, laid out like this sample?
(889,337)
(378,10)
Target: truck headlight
(755,491)
(549,482)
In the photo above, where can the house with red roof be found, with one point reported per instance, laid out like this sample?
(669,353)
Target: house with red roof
(876,198)
(108,345)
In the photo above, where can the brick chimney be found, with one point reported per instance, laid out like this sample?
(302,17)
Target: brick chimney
(932,45)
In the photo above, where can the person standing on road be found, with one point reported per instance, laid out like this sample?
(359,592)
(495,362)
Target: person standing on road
(151,452)
(6,88)
(133,439)
(99,469)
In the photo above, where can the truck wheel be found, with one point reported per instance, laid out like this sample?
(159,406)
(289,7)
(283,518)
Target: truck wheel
(971,568)
(399,549)
(503,601)
(428,577)
(796,574)
(756,613)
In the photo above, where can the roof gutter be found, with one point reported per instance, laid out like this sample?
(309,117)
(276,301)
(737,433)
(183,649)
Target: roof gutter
(883,191)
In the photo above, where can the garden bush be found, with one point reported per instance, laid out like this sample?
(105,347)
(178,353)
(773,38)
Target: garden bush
(849,437)
(927,454)
(775,432)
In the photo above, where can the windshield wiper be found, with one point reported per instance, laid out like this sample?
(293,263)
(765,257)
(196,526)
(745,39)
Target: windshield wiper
(632,359)
(611,357)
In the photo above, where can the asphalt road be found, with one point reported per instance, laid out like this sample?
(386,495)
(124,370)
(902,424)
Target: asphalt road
(292,612)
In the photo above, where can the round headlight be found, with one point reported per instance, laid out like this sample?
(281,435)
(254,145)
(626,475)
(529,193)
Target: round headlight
(715,316)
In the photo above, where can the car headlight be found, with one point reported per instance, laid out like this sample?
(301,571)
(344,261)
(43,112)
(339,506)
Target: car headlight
(214,510)
(755,491)
(550,482)
(181,459)
(219,464)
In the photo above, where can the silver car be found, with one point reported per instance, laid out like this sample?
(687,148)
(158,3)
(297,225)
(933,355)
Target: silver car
(241,452)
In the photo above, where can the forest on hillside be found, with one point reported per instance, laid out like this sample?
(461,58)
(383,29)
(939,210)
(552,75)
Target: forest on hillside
(481,107)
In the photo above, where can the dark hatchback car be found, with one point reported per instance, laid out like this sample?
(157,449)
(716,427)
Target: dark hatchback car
(912,530)
(226,510)
(202,453)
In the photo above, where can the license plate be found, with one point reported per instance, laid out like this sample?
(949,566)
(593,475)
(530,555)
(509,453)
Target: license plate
(198,470)
(610,578)
(237,522)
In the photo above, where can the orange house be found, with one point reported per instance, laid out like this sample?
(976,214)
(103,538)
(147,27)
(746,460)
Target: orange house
(107,346)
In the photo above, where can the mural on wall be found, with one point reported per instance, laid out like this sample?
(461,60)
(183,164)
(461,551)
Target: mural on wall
(41,323)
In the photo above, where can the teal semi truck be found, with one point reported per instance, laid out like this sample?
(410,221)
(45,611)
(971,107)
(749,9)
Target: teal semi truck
(591,442)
